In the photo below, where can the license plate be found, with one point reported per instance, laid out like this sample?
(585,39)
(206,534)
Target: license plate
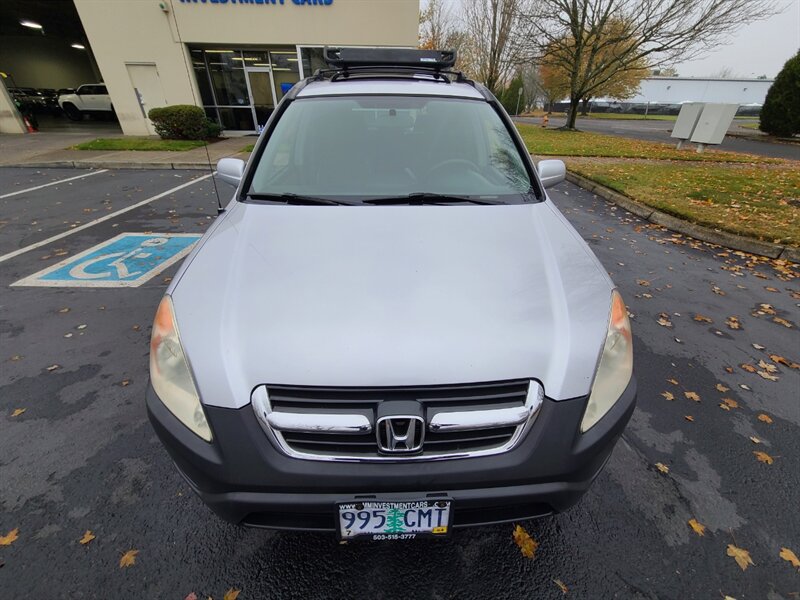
(389,520)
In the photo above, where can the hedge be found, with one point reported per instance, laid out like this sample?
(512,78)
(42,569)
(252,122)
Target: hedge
(183,122)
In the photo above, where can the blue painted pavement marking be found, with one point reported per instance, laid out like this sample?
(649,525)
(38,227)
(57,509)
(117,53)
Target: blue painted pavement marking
(127,260)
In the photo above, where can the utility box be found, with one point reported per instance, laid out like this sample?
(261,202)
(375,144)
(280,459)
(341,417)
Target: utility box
(687,120)
(713,123)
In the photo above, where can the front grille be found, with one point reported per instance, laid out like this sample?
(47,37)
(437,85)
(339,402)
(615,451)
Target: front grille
(372,402)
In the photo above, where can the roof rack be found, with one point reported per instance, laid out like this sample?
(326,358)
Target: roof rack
(348,58)
(365,62)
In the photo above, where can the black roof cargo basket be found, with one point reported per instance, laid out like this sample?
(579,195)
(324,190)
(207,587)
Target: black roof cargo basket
(393,58)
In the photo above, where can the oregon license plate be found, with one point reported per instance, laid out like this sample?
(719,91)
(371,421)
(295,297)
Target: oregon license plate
(389,520)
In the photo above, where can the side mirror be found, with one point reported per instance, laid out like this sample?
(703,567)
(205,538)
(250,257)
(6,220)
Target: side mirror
(230,170)
(551,172)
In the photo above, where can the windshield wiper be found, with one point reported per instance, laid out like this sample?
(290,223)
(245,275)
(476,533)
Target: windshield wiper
(428,198)
(289,198)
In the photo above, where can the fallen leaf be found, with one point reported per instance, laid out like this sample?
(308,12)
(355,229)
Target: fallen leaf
(783,322)
(774,358)
(662,467)
(764,418)
(703,319)
(17,412)
(763,457)
(689,418)
(564,589)
(724,406)
(744,386)
(768,367)
(125,382)
(771,289)
(748,367)
(231,594)
(790,556)
(668,395)
(663,320)
(729,369)
(733,323)
(128,559)
(53,367)
(87,537)
(730,403)
(643,282)
(758,346)
(191,596)
(692,396)
(673,381)
(767,376)
(81,327)
(64,310)
(526,543)
(754,439)
(716,290)
(722,388)
(741,556)
(15,358)
(697,526)
(9,538)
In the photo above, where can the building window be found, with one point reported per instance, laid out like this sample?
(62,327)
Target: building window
(240,88)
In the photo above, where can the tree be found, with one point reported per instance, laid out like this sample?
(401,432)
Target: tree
(780,114)
(665,72)
(514,95)
(435,25)
(578,35)
(494,39)
(620,85)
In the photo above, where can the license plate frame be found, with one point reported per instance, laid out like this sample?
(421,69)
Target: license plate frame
(441,519)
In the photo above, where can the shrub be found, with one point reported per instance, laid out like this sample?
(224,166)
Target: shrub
(780,114)
(183,122)
(510,98)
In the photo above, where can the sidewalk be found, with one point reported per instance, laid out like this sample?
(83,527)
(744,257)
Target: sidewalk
(52,150)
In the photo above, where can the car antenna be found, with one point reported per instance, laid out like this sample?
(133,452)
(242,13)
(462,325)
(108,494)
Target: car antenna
(220,208)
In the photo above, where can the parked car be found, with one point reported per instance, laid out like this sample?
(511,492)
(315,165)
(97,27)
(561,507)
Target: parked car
(391,330)
(88,99)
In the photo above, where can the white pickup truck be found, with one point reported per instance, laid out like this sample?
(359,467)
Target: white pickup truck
(90,98)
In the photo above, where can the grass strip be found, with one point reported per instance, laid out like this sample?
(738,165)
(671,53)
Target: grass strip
(757,201)
(139,143)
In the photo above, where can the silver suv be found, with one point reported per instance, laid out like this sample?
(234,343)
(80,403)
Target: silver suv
(391,330)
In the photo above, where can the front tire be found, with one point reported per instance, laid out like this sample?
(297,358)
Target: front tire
(72,112)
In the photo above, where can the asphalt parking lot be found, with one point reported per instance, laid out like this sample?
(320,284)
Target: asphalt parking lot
(82,456)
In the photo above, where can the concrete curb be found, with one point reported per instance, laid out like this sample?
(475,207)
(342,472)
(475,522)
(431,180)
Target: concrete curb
(99,164)
(699,232)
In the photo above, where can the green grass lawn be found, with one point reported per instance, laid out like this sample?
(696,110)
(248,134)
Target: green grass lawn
(749,125)
(554,142)
(139,143)
(248,148)
(757,201)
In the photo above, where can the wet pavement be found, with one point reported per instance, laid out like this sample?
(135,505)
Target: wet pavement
(82,455)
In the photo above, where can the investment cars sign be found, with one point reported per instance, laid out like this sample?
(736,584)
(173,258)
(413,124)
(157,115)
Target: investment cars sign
(298,2)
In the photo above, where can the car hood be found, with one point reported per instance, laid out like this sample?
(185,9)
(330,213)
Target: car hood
(390,296)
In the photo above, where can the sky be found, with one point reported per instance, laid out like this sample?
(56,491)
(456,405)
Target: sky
(759,48)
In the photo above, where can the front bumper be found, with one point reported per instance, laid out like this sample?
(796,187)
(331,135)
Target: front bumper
(243,478)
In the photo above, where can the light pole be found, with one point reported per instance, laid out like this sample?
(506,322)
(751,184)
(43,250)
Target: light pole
(519,97)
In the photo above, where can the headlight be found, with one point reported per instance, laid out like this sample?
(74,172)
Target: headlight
(616,365)
(170,374)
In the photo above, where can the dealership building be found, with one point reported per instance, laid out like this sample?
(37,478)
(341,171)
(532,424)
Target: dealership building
(235,58)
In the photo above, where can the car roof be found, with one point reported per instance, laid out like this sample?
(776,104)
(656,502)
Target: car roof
(407,86)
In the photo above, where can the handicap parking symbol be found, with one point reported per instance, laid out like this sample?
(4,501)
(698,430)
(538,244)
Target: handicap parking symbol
(127,260)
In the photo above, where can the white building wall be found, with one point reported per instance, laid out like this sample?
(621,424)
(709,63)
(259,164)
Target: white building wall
(674,90)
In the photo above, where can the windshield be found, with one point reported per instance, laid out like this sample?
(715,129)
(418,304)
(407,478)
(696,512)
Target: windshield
(359,148)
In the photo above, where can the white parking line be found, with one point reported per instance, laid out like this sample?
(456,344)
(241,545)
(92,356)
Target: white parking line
(49,240)
(38,187)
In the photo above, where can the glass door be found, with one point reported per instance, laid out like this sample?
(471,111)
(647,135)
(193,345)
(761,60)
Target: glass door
(262,92)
